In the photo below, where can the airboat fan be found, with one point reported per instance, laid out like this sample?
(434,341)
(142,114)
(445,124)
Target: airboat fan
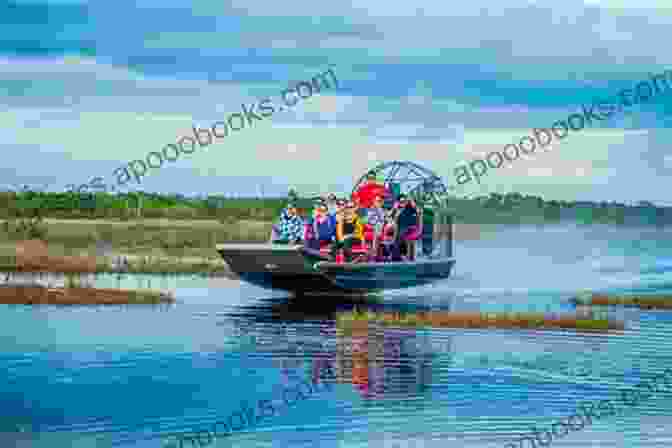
(409,178)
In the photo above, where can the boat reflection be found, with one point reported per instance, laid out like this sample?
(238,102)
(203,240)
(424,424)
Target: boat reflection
(390,350)
(382,362)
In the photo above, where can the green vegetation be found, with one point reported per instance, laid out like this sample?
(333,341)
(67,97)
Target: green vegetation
(148,246)
(26,227)
(346,321)
(77,295)
(145,205)
(512,208)
(173,233)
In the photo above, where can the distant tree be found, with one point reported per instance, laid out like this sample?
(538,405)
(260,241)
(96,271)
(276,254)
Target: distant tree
(515,197)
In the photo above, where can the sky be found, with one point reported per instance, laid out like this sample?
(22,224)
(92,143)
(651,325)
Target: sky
(89,86)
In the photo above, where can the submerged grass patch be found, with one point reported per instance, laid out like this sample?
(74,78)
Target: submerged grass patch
(644,302)
(478,320)
(77,295)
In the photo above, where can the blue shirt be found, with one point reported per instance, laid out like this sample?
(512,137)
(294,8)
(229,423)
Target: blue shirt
(325,230)
(291,227)
(408,217)
(376,216)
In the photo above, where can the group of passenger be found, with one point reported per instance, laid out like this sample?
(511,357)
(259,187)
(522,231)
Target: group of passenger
(343,225)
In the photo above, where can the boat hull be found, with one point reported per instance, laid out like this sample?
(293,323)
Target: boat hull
(293,268)
(392,275)
(275,266)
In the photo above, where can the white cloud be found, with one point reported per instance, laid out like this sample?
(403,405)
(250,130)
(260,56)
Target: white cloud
(118,114)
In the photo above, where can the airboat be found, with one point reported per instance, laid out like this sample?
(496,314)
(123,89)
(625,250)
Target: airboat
(299,270)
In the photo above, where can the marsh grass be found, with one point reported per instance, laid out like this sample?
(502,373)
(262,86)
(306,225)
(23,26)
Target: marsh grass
(357,319)
(80,295)
(174,237)
(644,302)
(151,246)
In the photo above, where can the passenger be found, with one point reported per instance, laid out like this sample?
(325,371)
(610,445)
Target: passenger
(332,215)
(362,212)
(340,208)
(388,237)
(348,232)
(310,236)
(367,193)
(323,227)
(331,204)
(292,195)
(376,219)
(291,226)
(407,222)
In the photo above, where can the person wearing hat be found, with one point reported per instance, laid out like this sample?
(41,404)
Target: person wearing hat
(406,219)
(331,203)
(292,195)
(291,229)
(349,231)
(376,219)
(340,208)
(309,235)
(322,228)
(367,193)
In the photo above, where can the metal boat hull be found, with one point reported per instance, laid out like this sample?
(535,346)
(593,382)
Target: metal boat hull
(391,275)
(292,268)
(275,266)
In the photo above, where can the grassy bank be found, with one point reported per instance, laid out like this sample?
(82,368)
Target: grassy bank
(352,320)
(648,302)
(510,208)
(154,233)
(173,237)
(146,246)
(39,295)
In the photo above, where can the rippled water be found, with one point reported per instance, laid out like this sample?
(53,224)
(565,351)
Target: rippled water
(132,376)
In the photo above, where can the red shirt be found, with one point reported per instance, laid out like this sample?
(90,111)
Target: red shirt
(367,193)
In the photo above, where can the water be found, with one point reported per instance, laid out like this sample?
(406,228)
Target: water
(134,375)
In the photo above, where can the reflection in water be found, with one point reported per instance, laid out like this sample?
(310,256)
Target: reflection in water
(134,373)
(382,350)
(377,360)
(386,363)
(383,362)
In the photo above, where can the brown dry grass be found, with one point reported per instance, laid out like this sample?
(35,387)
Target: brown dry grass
(38,295)
(483,320)
(645,302)
(34,256)
(150,245)
(38,256)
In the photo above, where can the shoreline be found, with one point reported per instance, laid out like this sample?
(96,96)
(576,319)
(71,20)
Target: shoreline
(151,247)
(42,295)
(37,256)
(137,265)
(577,322)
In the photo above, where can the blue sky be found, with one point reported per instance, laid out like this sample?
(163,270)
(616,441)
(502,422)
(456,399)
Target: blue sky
(89,86)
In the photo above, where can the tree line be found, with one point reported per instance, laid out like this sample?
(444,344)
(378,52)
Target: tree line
(494,208)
